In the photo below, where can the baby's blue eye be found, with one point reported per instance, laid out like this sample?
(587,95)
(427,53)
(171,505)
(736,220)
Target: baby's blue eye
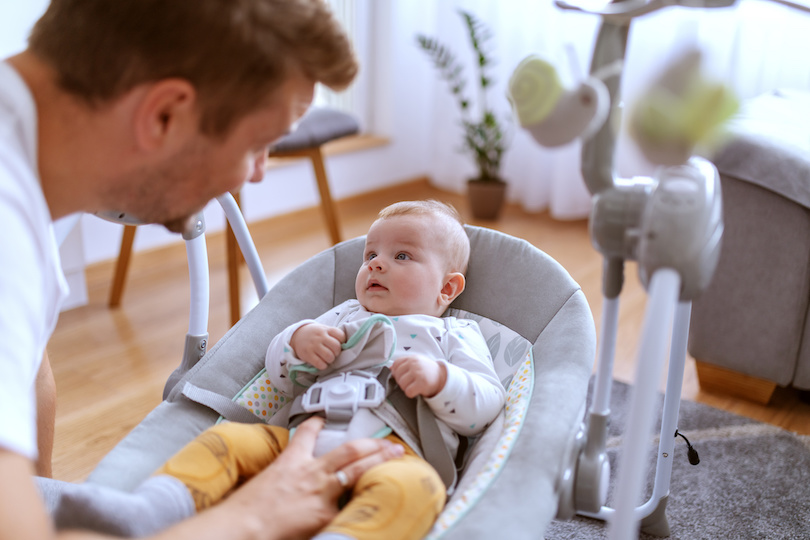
(370,256)
(402,257)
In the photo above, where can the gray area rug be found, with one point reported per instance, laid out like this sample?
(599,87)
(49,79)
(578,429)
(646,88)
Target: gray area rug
(752,482)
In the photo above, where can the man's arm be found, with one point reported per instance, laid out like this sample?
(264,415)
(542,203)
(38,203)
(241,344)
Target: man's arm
(292,498)
(21,511)
(46,417)
(23,514)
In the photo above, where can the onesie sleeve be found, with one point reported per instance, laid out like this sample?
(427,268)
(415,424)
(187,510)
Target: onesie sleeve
(280,357)
(280,354)
(472,396)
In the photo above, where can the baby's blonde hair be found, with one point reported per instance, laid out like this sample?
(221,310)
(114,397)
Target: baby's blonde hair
(457,239)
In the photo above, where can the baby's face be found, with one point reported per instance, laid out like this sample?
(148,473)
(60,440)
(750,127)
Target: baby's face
(404,266)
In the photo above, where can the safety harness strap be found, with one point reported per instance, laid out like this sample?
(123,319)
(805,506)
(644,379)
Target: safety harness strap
(422,421)
(228,409)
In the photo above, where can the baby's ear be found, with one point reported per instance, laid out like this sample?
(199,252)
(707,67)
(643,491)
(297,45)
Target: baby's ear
(453,286)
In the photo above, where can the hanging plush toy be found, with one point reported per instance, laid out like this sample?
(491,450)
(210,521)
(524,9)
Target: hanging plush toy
(553,114)
(680,112)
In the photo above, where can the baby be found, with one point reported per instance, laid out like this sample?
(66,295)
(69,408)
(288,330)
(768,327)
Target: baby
(413,267)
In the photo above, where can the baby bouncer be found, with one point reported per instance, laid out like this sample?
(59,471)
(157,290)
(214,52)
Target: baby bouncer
(544,457)
(536,321)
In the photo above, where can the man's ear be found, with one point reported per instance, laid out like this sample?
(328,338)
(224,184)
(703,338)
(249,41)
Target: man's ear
(166,114)
(453,286)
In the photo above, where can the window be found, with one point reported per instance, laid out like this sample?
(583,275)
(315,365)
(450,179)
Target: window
(355,16)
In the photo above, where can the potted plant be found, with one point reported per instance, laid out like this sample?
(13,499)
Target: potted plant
(483,136)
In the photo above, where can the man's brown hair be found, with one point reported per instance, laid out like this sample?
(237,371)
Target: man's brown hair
(234,52)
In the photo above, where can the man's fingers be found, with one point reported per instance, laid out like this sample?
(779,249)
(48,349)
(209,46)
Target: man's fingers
(356,457)
(305,435)
(355,470)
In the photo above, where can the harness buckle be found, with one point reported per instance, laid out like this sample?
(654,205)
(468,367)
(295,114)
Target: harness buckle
(343,392)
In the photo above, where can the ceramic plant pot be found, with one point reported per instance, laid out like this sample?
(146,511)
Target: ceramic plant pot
(486,198)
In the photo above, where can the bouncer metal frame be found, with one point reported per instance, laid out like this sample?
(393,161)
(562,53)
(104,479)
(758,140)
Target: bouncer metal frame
(671,224)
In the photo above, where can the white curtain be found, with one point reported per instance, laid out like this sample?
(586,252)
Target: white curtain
(754,47)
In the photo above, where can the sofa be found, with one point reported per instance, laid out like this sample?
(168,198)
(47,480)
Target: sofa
(750,330)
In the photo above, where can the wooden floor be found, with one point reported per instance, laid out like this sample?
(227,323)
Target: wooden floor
(110,365)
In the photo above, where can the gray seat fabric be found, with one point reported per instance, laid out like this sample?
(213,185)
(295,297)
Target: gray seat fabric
(509,281)
(318,126)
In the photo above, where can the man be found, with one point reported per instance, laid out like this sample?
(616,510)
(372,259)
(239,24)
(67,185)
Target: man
(149,107)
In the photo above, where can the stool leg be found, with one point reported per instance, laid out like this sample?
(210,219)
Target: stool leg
(327,205)
(234,257)
(232,250)
(121,266)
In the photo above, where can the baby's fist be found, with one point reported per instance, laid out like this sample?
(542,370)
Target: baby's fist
(317,344)
(418,375)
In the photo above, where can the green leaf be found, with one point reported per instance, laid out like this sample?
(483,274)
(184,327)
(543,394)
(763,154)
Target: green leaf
(483,138)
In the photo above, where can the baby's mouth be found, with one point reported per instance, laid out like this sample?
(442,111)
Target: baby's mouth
(374,286)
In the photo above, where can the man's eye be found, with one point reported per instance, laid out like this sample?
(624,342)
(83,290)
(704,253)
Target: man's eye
(402,257)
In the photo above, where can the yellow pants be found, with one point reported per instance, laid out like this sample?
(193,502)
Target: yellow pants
(398,499)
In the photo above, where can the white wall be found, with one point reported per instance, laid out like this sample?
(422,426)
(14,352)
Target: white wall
(16,19)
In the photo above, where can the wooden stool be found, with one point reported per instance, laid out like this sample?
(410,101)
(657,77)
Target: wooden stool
(316,128)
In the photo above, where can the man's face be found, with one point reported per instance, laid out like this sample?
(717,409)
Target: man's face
(404,267)
(171,192)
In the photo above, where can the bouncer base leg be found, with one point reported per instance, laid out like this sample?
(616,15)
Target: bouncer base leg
(656,523)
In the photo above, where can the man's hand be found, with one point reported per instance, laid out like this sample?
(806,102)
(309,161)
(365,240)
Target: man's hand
(21,511)
(297,494)
(317,344)
(418,375)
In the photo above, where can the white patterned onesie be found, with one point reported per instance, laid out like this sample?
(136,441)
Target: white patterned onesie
(471,398)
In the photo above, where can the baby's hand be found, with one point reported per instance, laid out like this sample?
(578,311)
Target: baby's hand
(317,344)
(419,375)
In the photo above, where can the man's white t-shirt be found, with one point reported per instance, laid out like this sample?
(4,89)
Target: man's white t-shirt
(32,284)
